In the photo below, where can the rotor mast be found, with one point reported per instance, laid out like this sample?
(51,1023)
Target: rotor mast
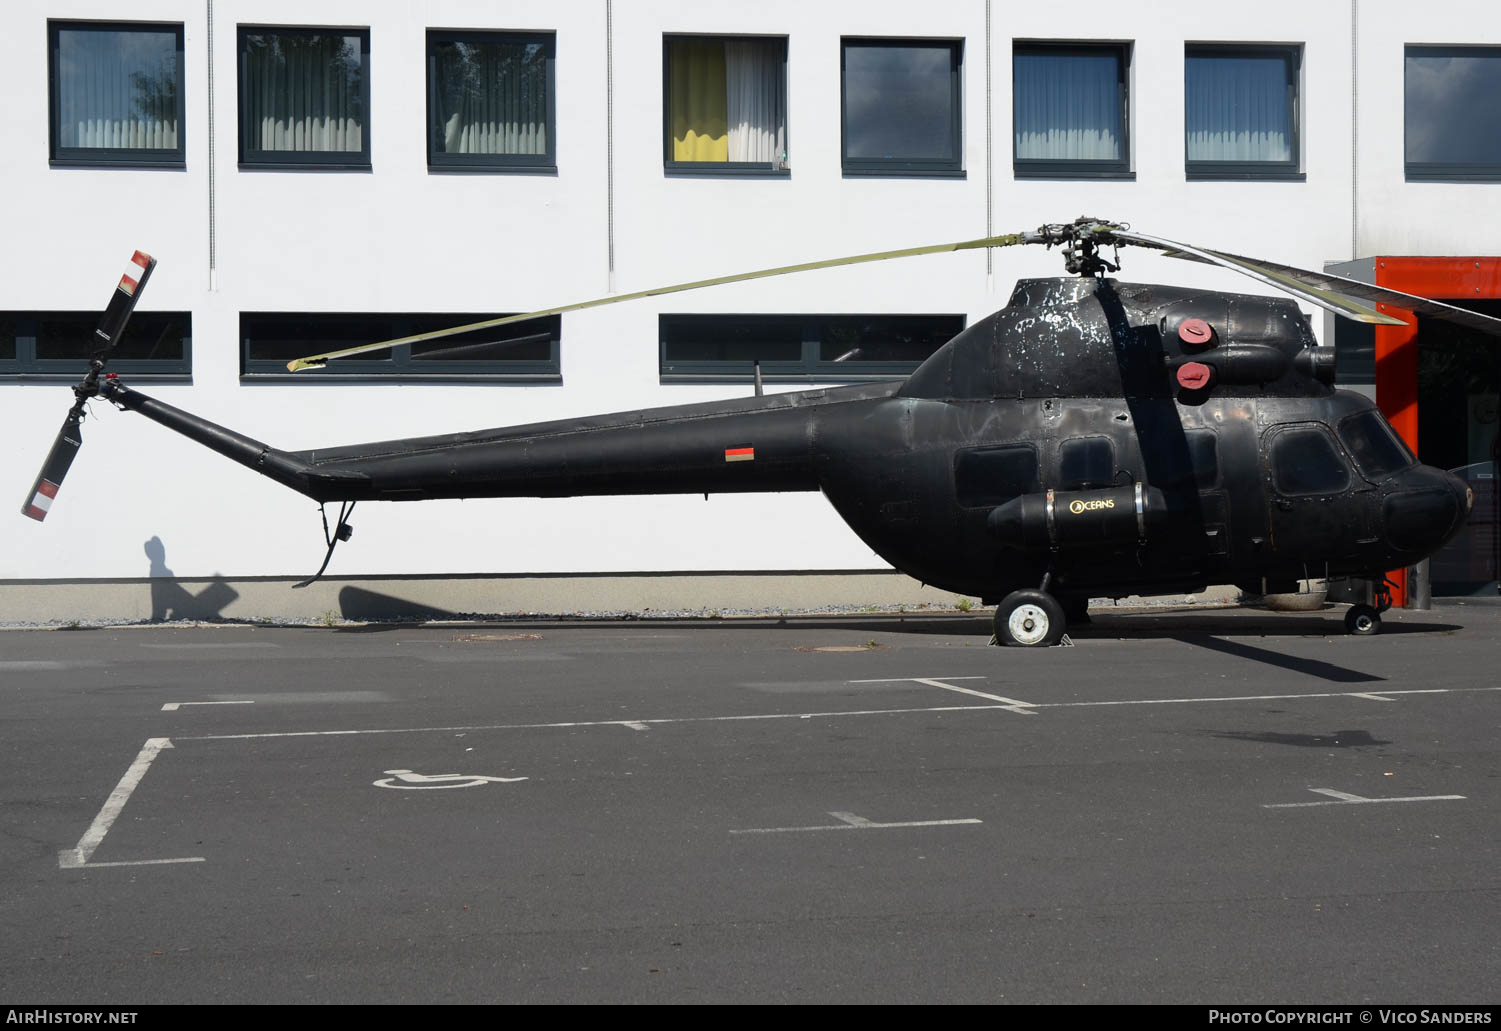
(1080,241)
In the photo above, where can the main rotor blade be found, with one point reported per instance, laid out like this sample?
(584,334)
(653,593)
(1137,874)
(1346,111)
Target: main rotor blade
(1339,285)
(318,360)
(1286,278)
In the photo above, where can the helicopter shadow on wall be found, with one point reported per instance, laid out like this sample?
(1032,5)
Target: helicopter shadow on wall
(171,601)
(359,604)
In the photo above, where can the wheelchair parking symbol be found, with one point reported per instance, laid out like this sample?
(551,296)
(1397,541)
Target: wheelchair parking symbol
(406,780)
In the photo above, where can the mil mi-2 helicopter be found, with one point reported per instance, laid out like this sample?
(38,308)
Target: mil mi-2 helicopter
(1094,438)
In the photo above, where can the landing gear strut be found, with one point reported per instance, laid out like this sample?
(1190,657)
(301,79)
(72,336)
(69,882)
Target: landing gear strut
(1076,609)
(1365,620)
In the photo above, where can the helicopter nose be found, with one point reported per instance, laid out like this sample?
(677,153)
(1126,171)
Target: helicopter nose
(1464,497)
(1427,510)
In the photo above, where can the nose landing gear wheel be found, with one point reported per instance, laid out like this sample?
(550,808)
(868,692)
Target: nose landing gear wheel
(1363,621)
(1029,619)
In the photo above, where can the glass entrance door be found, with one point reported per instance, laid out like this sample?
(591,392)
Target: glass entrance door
(1459,387)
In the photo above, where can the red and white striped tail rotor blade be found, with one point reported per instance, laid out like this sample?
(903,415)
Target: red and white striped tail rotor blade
(59,459)
(136,271)
(122,301)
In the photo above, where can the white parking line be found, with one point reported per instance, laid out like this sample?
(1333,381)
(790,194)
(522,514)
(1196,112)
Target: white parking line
(174,706)
(78,857)
(1345,798)
(835,714)
(211,647)
(1009,704)
(851,822)
(907,680)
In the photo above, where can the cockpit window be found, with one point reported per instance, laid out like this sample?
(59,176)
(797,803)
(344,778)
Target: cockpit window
(1305,461)
(1378,451)
(1086,462)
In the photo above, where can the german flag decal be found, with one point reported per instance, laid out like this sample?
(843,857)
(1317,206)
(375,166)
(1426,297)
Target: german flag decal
(739,454)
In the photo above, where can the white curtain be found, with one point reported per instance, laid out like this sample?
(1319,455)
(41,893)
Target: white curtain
(1068,107)
(492,98)
(117,89)
(756,99)
(302,93)
(1237,109)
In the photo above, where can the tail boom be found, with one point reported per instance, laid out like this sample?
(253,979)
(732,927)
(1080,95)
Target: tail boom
(744,445)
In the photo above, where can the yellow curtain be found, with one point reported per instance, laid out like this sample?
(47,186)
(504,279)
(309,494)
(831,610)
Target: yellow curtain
(697,109)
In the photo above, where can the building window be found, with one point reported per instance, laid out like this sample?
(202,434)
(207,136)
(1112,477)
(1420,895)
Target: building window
(521,351)
(1071,110)
(490,101)
(799,348)
(726,104)
(901,107)
(304,98)
(1241,112)
(1452,112)
(59,344)
(116,94)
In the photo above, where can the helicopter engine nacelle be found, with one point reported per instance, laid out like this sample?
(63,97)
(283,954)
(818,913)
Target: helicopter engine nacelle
(1240,364)
(1112,517)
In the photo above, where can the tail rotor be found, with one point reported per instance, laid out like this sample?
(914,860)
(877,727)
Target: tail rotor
(70,438)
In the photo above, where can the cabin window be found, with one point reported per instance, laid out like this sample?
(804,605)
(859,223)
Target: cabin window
(1376,449)
(304,98)
(521,351)
(58,345)
(1241,112)
(1450,115)
(725,105)
(988,476)
(799,348)
(1305,460)
(901,107)
(490,102)
(1086,462)
(1071,110)
(116,94)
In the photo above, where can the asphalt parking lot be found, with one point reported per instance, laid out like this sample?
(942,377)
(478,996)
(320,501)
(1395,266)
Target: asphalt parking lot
(1193,807)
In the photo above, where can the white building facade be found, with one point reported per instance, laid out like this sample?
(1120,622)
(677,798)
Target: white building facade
(878,125)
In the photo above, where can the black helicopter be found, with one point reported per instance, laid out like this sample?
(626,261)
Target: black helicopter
(1094,438)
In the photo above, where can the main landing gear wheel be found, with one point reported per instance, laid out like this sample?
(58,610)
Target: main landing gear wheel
(1029,619)
(1363,620)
